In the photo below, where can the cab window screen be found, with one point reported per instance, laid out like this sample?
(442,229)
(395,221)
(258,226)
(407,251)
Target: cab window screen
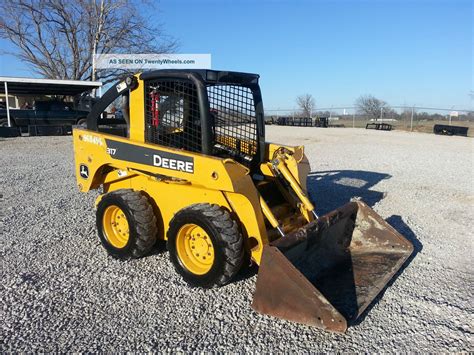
(172,114)
(232,109)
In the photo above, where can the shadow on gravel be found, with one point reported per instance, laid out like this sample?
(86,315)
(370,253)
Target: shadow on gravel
(247,272)
(332,189)
(159,248)
(396,222)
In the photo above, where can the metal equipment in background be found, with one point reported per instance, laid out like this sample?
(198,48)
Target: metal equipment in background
(295,121)
(379,126)
(321,122)
(448,130)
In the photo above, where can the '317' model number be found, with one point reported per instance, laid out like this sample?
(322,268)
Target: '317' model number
(111,151)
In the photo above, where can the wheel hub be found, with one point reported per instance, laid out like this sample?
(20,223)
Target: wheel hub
(195,249)
(116,227)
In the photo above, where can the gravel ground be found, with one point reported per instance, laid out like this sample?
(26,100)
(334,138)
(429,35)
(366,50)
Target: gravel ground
(61,292)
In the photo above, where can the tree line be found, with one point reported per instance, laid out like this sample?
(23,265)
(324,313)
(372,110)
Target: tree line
(371,108)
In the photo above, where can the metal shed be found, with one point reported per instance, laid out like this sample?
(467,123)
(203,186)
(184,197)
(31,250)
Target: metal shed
(33,86)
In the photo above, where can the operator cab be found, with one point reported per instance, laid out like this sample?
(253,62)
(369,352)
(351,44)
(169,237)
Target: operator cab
(217,113)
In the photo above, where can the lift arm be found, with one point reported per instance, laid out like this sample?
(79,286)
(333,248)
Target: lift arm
(280,169)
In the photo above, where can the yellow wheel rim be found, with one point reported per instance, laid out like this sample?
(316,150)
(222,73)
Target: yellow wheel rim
(115,226)
(195,249)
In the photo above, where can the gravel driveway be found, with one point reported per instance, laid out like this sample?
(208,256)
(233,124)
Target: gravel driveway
(61,292)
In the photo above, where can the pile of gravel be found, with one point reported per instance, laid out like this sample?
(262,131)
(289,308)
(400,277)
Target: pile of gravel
(61,292)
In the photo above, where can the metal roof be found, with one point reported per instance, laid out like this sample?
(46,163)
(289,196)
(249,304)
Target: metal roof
(33,86)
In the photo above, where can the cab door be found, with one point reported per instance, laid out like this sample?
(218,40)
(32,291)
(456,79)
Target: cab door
(39,116)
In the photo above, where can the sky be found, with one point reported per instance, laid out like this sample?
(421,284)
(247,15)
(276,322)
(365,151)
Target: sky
(404,52)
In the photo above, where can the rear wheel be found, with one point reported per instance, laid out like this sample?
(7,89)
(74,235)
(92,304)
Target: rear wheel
(205,245)
(4,122)
(126,224)
(82,123)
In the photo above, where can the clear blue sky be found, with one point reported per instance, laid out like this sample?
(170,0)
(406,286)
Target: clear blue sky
(405,52)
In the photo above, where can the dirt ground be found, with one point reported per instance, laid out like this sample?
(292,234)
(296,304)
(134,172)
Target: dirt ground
(61,292)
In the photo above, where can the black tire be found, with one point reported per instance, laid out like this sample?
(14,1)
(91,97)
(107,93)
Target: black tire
(4,122)
(226,239)
(82,122)
(141,222)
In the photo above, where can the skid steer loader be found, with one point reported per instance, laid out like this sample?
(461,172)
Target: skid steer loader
(193,168)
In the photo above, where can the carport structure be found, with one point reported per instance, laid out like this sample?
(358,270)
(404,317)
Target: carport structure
(33,86)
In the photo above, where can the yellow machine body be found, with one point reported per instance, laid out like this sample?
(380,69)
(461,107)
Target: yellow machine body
(219,181)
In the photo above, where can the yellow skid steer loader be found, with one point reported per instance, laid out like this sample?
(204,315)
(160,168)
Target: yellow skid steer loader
(192,167)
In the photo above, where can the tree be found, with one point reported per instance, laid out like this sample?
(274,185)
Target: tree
(59,37)
(306,103)
(371,106)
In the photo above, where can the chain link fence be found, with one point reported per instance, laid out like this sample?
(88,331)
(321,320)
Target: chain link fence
(407,118)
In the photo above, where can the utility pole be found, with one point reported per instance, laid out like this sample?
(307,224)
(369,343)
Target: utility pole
(8,106)
(450,114)
(93,65)
(96,41)
(411,120)
(353,119)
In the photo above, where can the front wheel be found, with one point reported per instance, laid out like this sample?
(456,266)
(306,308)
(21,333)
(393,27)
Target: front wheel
(126,224)
(4,122)
(205,245)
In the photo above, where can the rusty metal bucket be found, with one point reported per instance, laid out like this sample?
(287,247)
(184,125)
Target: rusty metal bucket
(328,272)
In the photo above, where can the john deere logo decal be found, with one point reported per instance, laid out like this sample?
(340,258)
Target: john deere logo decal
(84,171)
(154,157)
(173,163)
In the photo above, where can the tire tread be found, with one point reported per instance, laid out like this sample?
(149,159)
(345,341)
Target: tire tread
(144,219)
(230,238)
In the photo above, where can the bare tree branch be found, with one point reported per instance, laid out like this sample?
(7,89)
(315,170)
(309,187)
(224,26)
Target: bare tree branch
(371,106)
(58,37)
(306,103)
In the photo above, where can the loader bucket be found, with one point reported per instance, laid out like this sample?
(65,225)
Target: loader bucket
(327,273)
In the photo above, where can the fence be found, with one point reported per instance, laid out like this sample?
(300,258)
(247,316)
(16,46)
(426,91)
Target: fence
(407,118)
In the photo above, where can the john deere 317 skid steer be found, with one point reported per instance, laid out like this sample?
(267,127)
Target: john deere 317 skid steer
(193,168)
